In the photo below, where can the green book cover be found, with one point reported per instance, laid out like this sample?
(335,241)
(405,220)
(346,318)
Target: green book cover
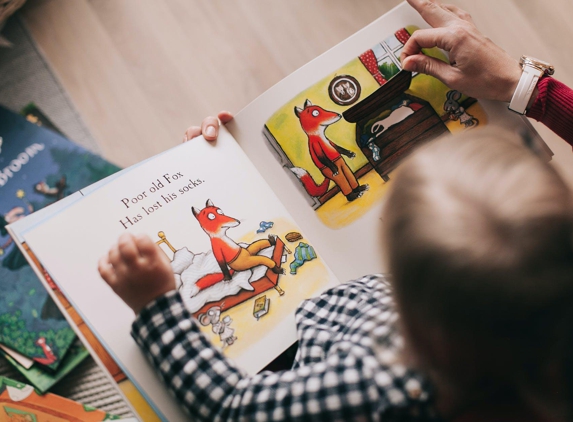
(37,168)
(43,380)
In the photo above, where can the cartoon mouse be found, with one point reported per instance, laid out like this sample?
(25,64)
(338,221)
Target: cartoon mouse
(222,328)
(456,111)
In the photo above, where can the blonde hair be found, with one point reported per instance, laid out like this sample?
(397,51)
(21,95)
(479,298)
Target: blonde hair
(479,237)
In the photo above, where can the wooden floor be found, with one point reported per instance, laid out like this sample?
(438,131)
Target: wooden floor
(141,71)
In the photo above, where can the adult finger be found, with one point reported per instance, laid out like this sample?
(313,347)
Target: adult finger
(460,13)
(192,132)
(210,128)
(432,12)
(430,66)
(428,38)
(225,116)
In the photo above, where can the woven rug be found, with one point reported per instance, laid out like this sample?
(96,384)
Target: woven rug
(26,77)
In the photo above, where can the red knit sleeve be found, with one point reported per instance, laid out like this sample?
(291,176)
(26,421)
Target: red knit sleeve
(554,107)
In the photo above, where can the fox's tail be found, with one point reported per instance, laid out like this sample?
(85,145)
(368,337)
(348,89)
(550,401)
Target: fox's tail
(211,279)
(308,182)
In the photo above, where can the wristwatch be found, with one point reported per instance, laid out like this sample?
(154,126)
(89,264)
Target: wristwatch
(533,69)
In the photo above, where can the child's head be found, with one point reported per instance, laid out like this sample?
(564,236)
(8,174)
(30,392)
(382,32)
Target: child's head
(479,237)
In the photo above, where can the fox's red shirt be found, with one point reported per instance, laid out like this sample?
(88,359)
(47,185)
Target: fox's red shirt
(224,249)
(321,148)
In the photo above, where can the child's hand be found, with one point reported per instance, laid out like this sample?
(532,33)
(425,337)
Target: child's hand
(137,270)
(209,128)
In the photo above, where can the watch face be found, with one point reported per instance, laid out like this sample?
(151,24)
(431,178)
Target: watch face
(540,64)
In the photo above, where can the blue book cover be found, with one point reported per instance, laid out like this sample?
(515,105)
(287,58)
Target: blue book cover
(37,168)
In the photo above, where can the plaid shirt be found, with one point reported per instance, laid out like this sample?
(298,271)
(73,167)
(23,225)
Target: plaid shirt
(346,366)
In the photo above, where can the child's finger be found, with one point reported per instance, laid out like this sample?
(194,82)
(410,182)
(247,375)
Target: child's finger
(145,245)
(192,132)
(210,128)
(127,248)
(225,116)
(106,271)
(114,256)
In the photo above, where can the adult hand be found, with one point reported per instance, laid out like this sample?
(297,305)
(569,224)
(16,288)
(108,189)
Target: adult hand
(477,67)
(209,127)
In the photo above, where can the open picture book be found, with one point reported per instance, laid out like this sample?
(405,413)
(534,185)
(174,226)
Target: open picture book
(284,205)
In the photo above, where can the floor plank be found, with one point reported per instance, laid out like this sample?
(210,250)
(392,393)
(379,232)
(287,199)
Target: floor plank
(141,72)
(97,79)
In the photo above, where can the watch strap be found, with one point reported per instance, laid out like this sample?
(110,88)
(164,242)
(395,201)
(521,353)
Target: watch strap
(525,88)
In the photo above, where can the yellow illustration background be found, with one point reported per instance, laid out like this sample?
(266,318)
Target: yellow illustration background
(285,127)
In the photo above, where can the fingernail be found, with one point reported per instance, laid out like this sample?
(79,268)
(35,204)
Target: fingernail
(210,131)
(184,138)
(409,66)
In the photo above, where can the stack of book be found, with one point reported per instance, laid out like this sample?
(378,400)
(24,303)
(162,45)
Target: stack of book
(38,167)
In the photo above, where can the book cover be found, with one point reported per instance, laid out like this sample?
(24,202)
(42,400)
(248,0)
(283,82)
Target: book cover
(34,115)
(20,402)
(43,380)
(37,168)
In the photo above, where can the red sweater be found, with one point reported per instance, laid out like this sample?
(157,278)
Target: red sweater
(322,150)
(554,107)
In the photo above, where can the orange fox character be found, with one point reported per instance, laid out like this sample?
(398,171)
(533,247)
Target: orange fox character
(227,252)
(325,154)
(50,357)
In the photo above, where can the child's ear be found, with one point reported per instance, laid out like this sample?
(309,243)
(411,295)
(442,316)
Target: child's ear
(297,111)
(195,212)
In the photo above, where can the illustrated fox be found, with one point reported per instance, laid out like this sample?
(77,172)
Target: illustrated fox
(325,154)
(227,252)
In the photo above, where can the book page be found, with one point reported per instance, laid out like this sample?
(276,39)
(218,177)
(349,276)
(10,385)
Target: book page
(250,316)
(328,137)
